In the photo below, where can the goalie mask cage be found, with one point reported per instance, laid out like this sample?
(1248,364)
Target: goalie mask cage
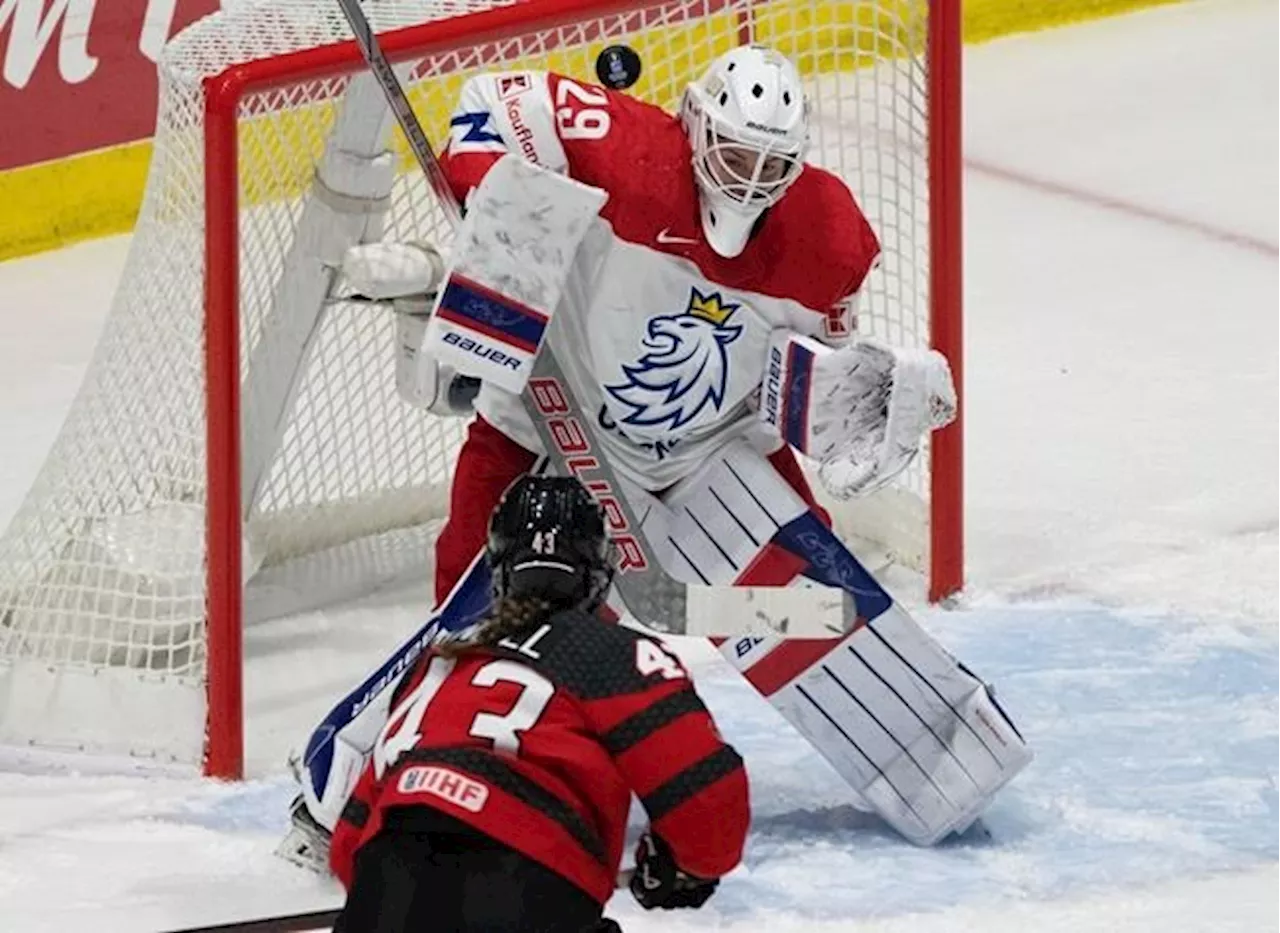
(237,423)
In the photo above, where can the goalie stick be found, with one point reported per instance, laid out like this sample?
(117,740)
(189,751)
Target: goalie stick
(655,598)
(314,921)
(398,101)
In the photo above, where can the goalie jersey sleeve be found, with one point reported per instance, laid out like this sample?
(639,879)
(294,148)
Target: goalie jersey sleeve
(499,114)
(541,744)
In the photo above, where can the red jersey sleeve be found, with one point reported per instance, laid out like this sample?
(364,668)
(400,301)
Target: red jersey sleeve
(348,834)
(690,781)
(546,118)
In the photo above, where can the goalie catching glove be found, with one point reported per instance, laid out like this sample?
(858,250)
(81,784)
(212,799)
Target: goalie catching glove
(860,410)
(659,882)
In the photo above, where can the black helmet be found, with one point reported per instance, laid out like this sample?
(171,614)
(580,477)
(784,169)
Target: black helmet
(547,539)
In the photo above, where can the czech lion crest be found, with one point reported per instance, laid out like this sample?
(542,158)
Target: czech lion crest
(684,366)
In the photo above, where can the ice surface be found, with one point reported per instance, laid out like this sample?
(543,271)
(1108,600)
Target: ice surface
(1122,435)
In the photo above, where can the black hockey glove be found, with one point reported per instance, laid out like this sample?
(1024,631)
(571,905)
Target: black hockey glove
(659,882)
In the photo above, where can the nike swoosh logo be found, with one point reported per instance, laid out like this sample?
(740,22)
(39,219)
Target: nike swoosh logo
(665,237)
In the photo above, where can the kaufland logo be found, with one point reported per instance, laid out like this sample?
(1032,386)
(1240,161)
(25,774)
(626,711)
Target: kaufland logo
(521,130)
(512,85)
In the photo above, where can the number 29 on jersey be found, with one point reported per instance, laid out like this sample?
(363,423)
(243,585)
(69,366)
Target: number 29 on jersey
(581,112)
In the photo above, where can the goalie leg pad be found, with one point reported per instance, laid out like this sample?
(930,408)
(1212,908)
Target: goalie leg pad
(910,728)
(716,530)
(340,745)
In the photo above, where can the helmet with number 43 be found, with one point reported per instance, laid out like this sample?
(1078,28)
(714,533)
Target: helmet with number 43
(547,540)
(748,123)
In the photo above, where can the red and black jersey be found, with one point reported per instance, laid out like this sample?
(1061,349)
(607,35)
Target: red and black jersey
(540,743)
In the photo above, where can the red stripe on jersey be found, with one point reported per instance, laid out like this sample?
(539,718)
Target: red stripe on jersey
(788,661)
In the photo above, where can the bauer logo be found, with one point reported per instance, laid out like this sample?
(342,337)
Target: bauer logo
(773,386)
(683,367)
(573,440)
(750,650)
(393,671)
(465,792)
(485,352)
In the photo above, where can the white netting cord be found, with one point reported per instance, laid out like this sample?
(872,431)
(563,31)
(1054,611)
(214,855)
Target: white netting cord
(103,567)
(871,129)
(82,579)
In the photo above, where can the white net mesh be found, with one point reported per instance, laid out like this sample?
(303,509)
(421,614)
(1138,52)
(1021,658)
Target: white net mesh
(103,572)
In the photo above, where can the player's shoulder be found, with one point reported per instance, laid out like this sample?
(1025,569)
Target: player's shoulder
(568,90)
(821,194)
(819,239)
(591,658)
(614,129)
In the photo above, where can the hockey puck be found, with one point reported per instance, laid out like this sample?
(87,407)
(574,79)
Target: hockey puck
(618,67)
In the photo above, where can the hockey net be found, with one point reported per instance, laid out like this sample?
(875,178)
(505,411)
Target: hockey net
(236,420)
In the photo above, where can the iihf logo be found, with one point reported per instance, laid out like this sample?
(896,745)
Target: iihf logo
(684,367)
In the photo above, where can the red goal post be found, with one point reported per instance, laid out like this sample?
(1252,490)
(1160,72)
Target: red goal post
(246,158)
(224,93)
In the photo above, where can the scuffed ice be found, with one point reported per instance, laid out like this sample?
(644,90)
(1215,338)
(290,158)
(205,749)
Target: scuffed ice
(1152,763)
(1120,452)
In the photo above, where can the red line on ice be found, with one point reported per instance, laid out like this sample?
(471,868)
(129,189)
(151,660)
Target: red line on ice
(1133,209)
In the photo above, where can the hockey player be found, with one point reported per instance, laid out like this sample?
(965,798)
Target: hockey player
(498,791)
(695,282)
(719,235)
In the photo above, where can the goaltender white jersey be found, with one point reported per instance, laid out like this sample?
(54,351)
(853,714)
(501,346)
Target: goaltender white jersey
(664,341)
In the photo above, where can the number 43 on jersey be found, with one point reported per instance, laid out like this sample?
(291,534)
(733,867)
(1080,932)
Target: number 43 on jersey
(403,730)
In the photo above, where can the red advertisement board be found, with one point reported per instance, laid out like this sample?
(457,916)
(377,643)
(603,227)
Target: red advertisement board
(77,75)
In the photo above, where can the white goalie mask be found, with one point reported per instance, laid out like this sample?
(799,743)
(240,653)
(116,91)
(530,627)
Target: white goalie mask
(748,123)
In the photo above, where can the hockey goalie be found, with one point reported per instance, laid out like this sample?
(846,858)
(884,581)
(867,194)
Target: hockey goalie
(695,282)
